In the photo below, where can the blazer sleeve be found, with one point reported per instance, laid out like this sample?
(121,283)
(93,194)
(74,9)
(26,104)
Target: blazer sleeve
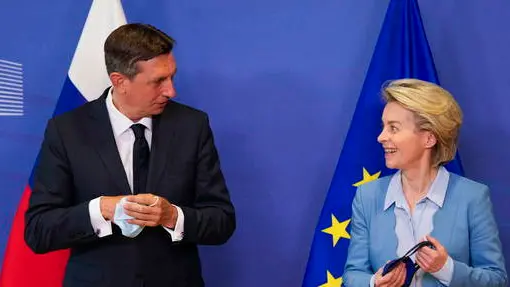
(51,221)
(487,266)
(211,219)
(358,270)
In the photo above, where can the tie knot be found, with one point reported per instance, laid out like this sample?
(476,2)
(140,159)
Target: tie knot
(138,129)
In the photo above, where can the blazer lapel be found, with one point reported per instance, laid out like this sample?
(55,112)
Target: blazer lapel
(100,133)
(388,239)
(164,130)
(444,218)
(385,238)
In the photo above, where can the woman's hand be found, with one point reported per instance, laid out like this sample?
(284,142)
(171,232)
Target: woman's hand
(431,260)
(394,278)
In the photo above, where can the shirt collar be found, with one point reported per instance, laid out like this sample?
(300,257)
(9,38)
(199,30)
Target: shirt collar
(121,123)
(436,193)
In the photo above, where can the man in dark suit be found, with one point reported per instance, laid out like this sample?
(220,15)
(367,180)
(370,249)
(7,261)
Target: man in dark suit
(132,142)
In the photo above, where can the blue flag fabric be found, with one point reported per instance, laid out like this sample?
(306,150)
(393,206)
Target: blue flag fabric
(402,51)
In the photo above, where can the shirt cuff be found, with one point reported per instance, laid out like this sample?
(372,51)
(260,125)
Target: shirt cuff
(101,226)
(178,232)
(372,281)
(445,274)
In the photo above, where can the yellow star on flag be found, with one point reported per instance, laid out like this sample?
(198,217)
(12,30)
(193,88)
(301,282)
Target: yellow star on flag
(332,281)
(367,178)
(337,229)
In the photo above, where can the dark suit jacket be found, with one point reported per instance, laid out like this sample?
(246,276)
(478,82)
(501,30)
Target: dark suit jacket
(79,161)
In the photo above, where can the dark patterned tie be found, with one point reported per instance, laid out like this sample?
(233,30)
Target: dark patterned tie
(141,156)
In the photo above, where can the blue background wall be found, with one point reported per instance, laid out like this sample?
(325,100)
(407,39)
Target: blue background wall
(280,80)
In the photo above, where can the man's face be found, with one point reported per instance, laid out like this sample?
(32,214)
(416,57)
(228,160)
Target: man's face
(148,92)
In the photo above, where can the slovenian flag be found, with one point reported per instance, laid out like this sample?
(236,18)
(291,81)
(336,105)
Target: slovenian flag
(86,80)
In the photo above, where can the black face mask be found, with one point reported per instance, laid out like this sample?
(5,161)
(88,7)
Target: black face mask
(410,266)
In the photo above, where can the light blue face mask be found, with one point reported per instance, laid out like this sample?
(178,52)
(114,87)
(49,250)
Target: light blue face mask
(121,219)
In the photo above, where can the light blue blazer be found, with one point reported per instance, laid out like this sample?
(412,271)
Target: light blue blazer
(465,226)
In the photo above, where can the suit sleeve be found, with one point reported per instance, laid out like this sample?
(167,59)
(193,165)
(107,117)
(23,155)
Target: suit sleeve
(211,220)
(51,221)
(487,266)
(358,271)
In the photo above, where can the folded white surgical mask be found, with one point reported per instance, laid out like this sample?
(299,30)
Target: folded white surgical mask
(121,219)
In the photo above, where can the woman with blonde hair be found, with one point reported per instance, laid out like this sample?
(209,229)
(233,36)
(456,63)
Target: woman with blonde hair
(422,226)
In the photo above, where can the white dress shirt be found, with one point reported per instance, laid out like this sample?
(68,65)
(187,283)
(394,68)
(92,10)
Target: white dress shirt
(125,138)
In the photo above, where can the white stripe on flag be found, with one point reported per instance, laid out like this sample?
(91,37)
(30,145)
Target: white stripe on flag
(11,76)
(11,101)
(11,63)
(16,68)
(88,70)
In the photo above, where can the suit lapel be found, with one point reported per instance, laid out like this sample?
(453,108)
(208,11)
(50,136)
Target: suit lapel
(444,218)
(164,130)
(386,226)
(100,133)
(442,226)
(384,239)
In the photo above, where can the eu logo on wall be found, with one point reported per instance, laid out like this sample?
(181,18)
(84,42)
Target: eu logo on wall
(11,88)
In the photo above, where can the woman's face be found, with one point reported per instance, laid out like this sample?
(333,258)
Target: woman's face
(405,146)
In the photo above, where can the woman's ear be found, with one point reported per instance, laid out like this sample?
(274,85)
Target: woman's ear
(430,140)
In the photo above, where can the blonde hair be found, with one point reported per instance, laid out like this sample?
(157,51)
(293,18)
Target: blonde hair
(434,109)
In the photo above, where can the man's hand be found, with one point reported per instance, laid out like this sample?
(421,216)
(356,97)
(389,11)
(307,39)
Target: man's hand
(150,210)
(107,205)
(394,278)
(431,260)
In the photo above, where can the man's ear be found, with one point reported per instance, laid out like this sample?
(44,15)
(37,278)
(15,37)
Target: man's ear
(119,82)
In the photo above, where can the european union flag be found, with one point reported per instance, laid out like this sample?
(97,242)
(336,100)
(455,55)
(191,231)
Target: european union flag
(401,51)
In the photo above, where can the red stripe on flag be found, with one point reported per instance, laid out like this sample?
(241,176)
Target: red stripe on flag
(22,267)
